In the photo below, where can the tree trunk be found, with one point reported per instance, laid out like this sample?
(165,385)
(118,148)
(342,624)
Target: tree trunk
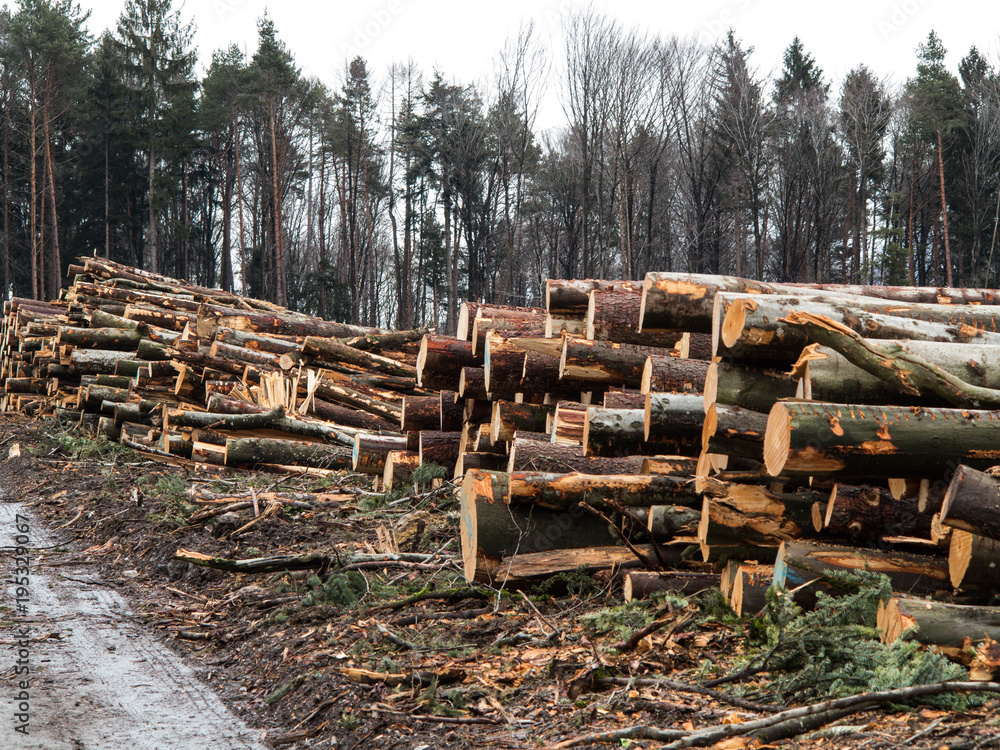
(820,439)
(572,296)
(508,417)
(674,375)
(370,452)
(535,455)
(243,451)
(972,503)
(614,316)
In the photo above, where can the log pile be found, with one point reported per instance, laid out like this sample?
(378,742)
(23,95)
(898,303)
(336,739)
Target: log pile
(189,374)
(707,430)
(689,430)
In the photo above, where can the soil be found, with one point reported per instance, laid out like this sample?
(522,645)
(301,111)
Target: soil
(393,654)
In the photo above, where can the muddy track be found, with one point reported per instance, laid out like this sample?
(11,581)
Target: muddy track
(98,679)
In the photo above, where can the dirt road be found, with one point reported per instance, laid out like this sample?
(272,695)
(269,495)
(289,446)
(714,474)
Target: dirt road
(89,676)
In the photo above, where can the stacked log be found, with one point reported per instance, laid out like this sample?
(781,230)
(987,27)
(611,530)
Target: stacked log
(185,373)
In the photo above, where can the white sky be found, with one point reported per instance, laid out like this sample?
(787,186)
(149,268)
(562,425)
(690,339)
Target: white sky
(462,37)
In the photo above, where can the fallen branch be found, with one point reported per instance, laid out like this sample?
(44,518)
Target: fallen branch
(682,687)
(310,561)
(785,724)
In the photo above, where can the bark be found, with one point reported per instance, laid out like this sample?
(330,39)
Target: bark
(443,356)
(472,310)
(370,451)
(832,377)
(624,399)
(503,367)
(674,375)
(420,413)
(937,623)
(587,361)
(614,316)
(972,503)
(906,372)
(642,585)
(452,412)
(677,418)
(733,431)
(508,417)
(801,562)
(472,383)
(573,296)
(562,491)
(439,448)
(331,350)
(535,455)
(248,451)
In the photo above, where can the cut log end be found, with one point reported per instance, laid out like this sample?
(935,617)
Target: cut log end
(733,323)
(777,439)
(709,426)
(711,385)
(959,555)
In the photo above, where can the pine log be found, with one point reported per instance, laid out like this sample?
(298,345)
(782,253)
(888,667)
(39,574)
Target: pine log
(452,411)
(444,357)
(504,329)
(604,362)
(492,528)
(614,316)
(541,375)
(844,441)
(972,502)
(938,624)
(973,561)
(284,324)
(331,350)
(469,311)
(439,448)
(684,302)
(420,413)
(119,339)
(349,417)
(573,296)
(674,375)
(399,465)
(370,451)
(503,367)
(472,383)
(643,584)
(240,451)
(748,591)
(561,491)
(508,417)
(536,455)
(746,387)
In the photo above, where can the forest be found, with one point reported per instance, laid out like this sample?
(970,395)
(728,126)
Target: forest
(389,197)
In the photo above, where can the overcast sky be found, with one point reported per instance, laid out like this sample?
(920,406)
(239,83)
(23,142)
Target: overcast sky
(462,37)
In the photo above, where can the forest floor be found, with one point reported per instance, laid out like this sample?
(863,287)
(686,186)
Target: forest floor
(397,653)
